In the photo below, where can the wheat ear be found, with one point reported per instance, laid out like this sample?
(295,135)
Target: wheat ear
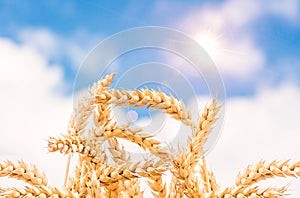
(132,188)
(158,187)
(174,192)
(85,181)
(86,105)
(41,192)
(106,174)
(22,171)
(117,151)
(200,133)
(210,185)
(263,170)
(113,190)
(185,163)
(145,141)
(125,188)
(154,99)
(241,192)
(70,144)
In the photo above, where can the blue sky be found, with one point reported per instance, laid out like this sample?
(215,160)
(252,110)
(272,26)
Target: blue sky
(275,33)
(255,45)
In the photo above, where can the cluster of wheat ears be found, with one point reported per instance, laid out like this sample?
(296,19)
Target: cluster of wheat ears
(94,176)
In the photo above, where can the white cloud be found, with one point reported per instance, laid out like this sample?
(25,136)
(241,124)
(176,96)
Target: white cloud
(288,9)
(32,107)
(57,47)
(43,40)
(241,61)
(262,127)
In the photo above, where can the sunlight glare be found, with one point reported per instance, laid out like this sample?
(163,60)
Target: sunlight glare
(211,43)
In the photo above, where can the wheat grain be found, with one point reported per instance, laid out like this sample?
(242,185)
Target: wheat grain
(70,144)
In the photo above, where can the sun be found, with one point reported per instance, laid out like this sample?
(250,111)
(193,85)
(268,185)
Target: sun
(211,42)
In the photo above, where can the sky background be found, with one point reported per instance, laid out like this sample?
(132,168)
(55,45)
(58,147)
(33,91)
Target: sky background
(254,44)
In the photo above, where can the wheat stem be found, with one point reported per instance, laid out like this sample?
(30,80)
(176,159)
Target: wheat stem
(67,171)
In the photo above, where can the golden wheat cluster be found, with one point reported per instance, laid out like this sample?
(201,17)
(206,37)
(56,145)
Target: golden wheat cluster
(110,172)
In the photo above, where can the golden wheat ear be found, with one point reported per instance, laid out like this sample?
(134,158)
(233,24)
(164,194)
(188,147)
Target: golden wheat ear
(187,159)
(86,106)
(21,171)
(262,171)
(200,133)
(35,192)
(133,188)
(209,182)
(117,151)
(252,175)
(147,142)
(153,99)
(158,187)
(252,192)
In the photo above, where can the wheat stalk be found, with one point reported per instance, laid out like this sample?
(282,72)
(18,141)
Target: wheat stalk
(91,126)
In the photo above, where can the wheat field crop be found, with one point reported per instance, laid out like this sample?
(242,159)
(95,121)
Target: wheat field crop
(110,172)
